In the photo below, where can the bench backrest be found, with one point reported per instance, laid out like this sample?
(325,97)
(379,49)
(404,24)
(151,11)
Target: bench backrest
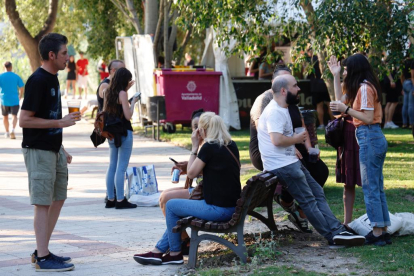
(253,194)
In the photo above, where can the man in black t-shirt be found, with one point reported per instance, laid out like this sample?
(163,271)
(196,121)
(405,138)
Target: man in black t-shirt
(45,158)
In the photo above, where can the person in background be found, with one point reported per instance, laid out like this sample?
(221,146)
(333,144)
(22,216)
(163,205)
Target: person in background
(116,104)
(318,89)
(392,86)
(265,70)
(11,91)
(82,70)
(218,161)
(71,78)
(181,192)
(113,66)
(103,71)
(256,61)
(408,87)
(161,62)
(347,156)
(188,60)
(363,94)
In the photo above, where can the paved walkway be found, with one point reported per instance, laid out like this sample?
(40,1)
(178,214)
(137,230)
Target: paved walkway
(100,241)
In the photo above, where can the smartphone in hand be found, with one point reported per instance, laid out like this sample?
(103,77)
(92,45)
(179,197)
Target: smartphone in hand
(175,162)
(137,95)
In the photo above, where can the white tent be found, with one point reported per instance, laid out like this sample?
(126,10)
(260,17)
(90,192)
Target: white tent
(215,56)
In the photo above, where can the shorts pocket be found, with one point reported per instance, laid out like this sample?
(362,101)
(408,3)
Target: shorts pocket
(41,188)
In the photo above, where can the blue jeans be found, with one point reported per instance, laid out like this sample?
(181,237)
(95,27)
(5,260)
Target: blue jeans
(372,150)
(118,164)
(408,103)
(180,208)
(311,198)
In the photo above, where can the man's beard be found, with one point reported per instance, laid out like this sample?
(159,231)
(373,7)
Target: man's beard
(292,99)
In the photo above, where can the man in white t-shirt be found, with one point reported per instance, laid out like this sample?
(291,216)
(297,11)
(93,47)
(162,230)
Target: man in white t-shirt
(277,148)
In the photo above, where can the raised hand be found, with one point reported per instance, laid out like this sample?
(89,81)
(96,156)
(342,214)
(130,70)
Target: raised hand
(334,66)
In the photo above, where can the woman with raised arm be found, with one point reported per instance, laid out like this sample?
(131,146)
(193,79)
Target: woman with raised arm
(363,102)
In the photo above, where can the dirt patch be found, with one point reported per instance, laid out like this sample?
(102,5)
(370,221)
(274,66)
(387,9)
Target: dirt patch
(293,249)
(409,198)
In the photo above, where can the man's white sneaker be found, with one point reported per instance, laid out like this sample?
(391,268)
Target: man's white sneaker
(6,135)
(387,125)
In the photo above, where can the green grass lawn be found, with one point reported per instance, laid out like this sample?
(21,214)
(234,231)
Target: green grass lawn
(397,259)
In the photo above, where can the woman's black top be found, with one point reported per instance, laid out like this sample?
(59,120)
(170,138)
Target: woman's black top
(221,174)
(127,123)
(72,69)
(296,118)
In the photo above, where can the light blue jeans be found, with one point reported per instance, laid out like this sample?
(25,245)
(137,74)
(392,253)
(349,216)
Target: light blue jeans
(180,208)
(311,198)
(118,164)
(408,103)
(372,150)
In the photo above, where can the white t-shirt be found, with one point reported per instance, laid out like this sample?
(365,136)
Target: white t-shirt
(275,119)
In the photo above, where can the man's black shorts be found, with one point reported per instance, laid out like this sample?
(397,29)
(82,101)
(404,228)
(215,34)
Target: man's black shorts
(6,110)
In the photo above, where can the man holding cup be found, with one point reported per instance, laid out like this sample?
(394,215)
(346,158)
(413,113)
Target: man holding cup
(45,158)
(277,148)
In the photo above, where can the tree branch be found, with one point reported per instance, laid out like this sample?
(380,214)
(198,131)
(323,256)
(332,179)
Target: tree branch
(135,17)
(184,43)
(14,17)
(50,21)
(124,10)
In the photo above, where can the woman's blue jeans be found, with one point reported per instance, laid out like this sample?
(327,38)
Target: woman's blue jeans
(408,103)
(180,208)
(118,164)
(372,150)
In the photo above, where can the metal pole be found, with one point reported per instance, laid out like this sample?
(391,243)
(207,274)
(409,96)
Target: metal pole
(158,120)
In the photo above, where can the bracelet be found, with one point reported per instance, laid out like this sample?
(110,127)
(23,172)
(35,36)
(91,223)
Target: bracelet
(346,111)
(193,153)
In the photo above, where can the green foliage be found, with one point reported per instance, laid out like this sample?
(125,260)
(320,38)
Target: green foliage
(340,27)
(104,23)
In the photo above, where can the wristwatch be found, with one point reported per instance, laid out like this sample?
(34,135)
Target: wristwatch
(193,153)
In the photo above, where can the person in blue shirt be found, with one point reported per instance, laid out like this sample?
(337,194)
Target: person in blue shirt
(10,96)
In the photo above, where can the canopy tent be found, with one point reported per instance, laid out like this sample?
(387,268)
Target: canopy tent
(215,56)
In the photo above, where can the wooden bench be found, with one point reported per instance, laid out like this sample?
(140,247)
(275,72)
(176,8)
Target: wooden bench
(258,192)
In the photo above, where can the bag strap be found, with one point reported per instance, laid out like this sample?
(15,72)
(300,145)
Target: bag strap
(237,161)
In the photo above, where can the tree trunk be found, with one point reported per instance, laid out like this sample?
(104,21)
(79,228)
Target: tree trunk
(156,45)
(30,43)
(168,56)
(310,16)
(181,49)
(151,17)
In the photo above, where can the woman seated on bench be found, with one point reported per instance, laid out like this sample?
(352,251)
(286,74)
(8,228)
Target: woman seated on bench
(182,192)
(221,187)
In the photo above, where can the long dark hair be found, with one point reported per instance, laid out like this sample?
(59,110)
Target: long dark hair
(118,83)
(358,69)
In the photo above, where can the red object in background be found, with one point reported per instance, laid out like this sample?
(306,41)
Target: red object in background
(188,91)
(103,74)
(82,64)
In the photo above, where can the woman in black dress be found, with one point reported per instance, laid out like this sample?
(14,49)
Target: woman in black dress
(71,79)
